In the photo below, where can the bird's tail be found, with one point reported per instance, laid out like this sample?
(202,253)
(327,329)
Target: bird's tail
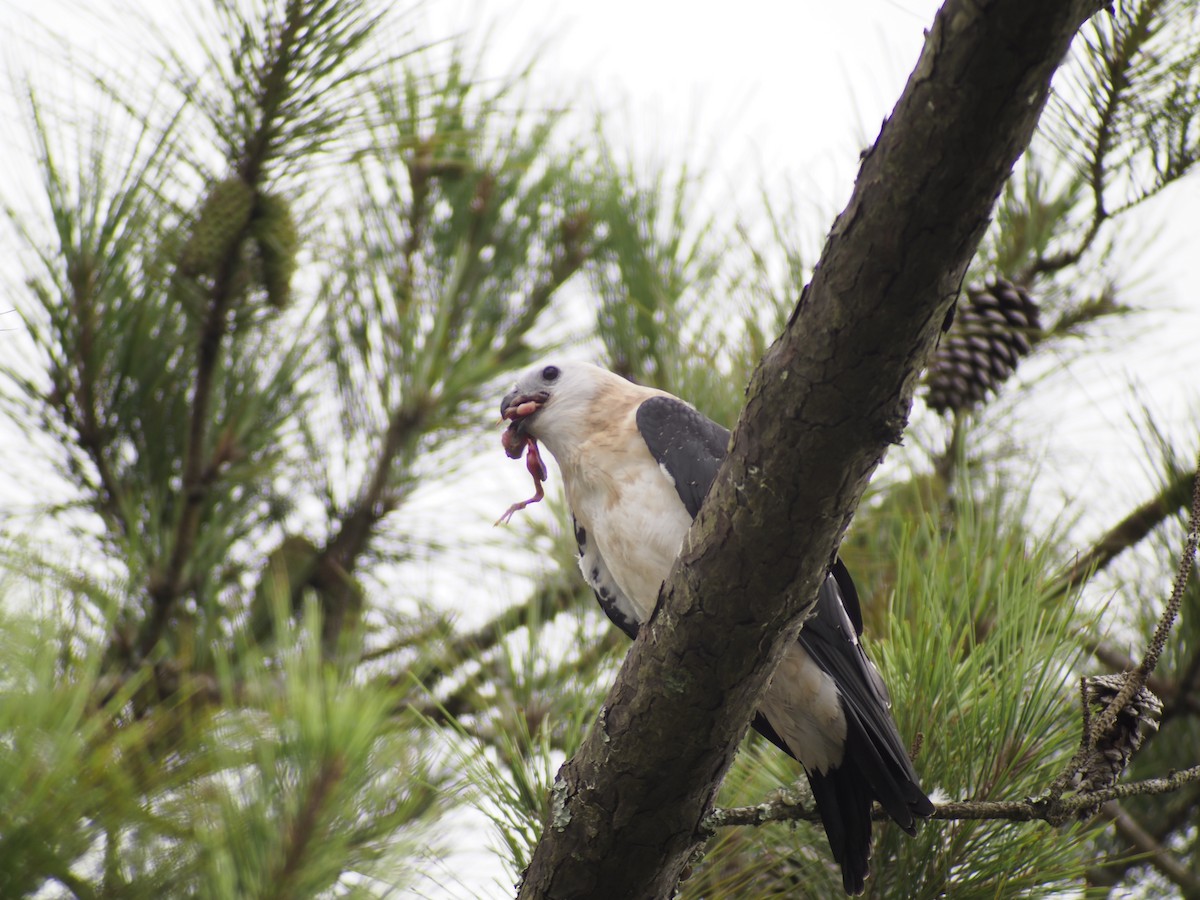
(870,770)
(844,801)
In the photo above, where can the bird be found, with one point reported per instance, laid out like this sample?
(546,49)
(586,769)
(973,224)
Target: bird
(636,463)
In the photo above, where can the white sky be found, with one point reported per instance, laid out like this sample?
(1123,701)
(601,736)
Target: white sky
(763,91)
(787,94)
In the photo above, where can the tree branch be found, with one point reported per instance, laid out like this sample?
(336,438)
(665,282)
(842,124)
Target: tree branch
(1177,696)
(830,396)
(1056,812)
(1136,678)
(1128,532)
(200,466)
(1125,53)
(92,435)
(300,831)
(550,597)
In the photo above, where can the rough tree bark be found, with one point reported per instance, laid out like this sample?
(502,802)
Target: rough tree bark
(829,397)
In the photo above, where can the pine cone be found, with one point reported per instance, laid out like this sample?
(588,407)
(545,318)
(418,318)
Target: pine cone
(222,221)
(1114,750)
(995,327)
(275,235)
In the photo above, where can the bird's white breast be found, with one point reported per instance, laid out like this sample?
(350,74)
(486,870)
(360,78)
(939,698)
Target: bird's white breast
(629,507)
(634,518)
(803,707)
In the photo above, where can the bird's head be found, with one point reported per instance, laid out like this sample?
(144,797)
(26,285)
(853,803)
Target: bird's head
(549,403)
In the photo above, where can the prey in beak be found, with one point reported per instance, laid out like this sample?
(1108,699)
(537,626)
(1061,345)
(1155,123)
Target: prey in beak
(516,409)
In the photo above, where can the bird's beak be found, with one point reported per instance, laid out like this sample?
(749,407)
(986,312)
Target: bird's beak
(518,407)
(508,401)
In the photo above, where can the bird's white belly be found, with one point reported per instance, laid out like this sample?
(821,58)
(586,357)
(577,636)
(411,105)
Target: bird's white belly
(638,523)
(802,704)
(633,516)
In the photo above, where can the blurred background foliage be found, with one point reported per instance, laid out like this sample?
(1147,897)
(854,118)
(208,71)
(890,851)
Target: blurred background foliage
(266,312)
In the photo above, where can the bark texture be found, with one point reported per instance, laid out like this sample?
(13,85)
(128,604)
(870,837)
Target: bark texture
(829,397)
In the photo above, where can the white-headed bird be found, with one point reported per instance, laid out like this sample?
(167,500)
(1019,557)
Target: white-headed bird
(636,463)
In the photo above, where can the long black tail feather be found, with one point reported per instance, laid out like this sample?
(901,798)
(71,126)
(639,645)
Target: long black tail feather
(844,802)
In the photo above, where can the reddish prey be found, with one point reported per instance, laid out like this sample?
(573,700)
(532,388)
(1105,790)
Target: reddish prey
(517,442)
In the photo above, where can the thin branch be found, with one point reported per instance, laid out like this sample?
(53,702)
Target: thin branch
(200,470)
(550,600)
(302,829)
(1130,531)
(1055,812)
(374,503)
(575,231)
(1145,844)
(466,698)
(274,92)
(1137,678)
(73,883)
(1117,69)
(91,436)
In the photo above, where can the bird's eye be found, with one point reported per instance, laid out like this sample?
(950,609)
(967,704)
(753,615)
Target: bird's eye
(550,373)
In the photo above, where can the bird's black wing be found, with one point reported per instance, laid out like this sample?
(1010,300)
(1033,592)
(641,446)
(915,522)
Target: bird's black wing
(690,447)
(612,599)
(687,445)
(873,743)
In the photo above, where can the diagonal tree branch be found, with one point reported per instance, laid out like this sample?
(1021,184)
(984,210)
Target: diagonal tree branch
(1136,678)
(1144,844)
(830,396)
(1132,529)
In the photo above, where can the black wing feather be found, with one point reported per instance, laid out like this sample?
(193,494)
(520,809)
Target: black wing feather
(688,445)
(873,744)
(608,594)
(875,764)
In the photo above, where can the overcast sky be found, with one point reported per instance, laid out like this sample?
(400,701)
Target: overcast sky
(782,94)
(788,94)
(763,91)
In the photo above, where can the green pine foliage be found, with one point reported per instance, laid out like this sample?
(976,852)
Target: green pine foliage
(979,656)
(267,306)
(226,788)
(240,399)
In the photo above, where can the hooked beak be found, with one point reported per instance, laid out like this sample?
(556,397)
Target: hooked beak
(517,407)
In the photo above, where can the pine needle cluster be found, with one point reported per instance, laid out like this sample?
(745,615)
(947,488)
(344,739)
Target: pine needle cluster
(266,308)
